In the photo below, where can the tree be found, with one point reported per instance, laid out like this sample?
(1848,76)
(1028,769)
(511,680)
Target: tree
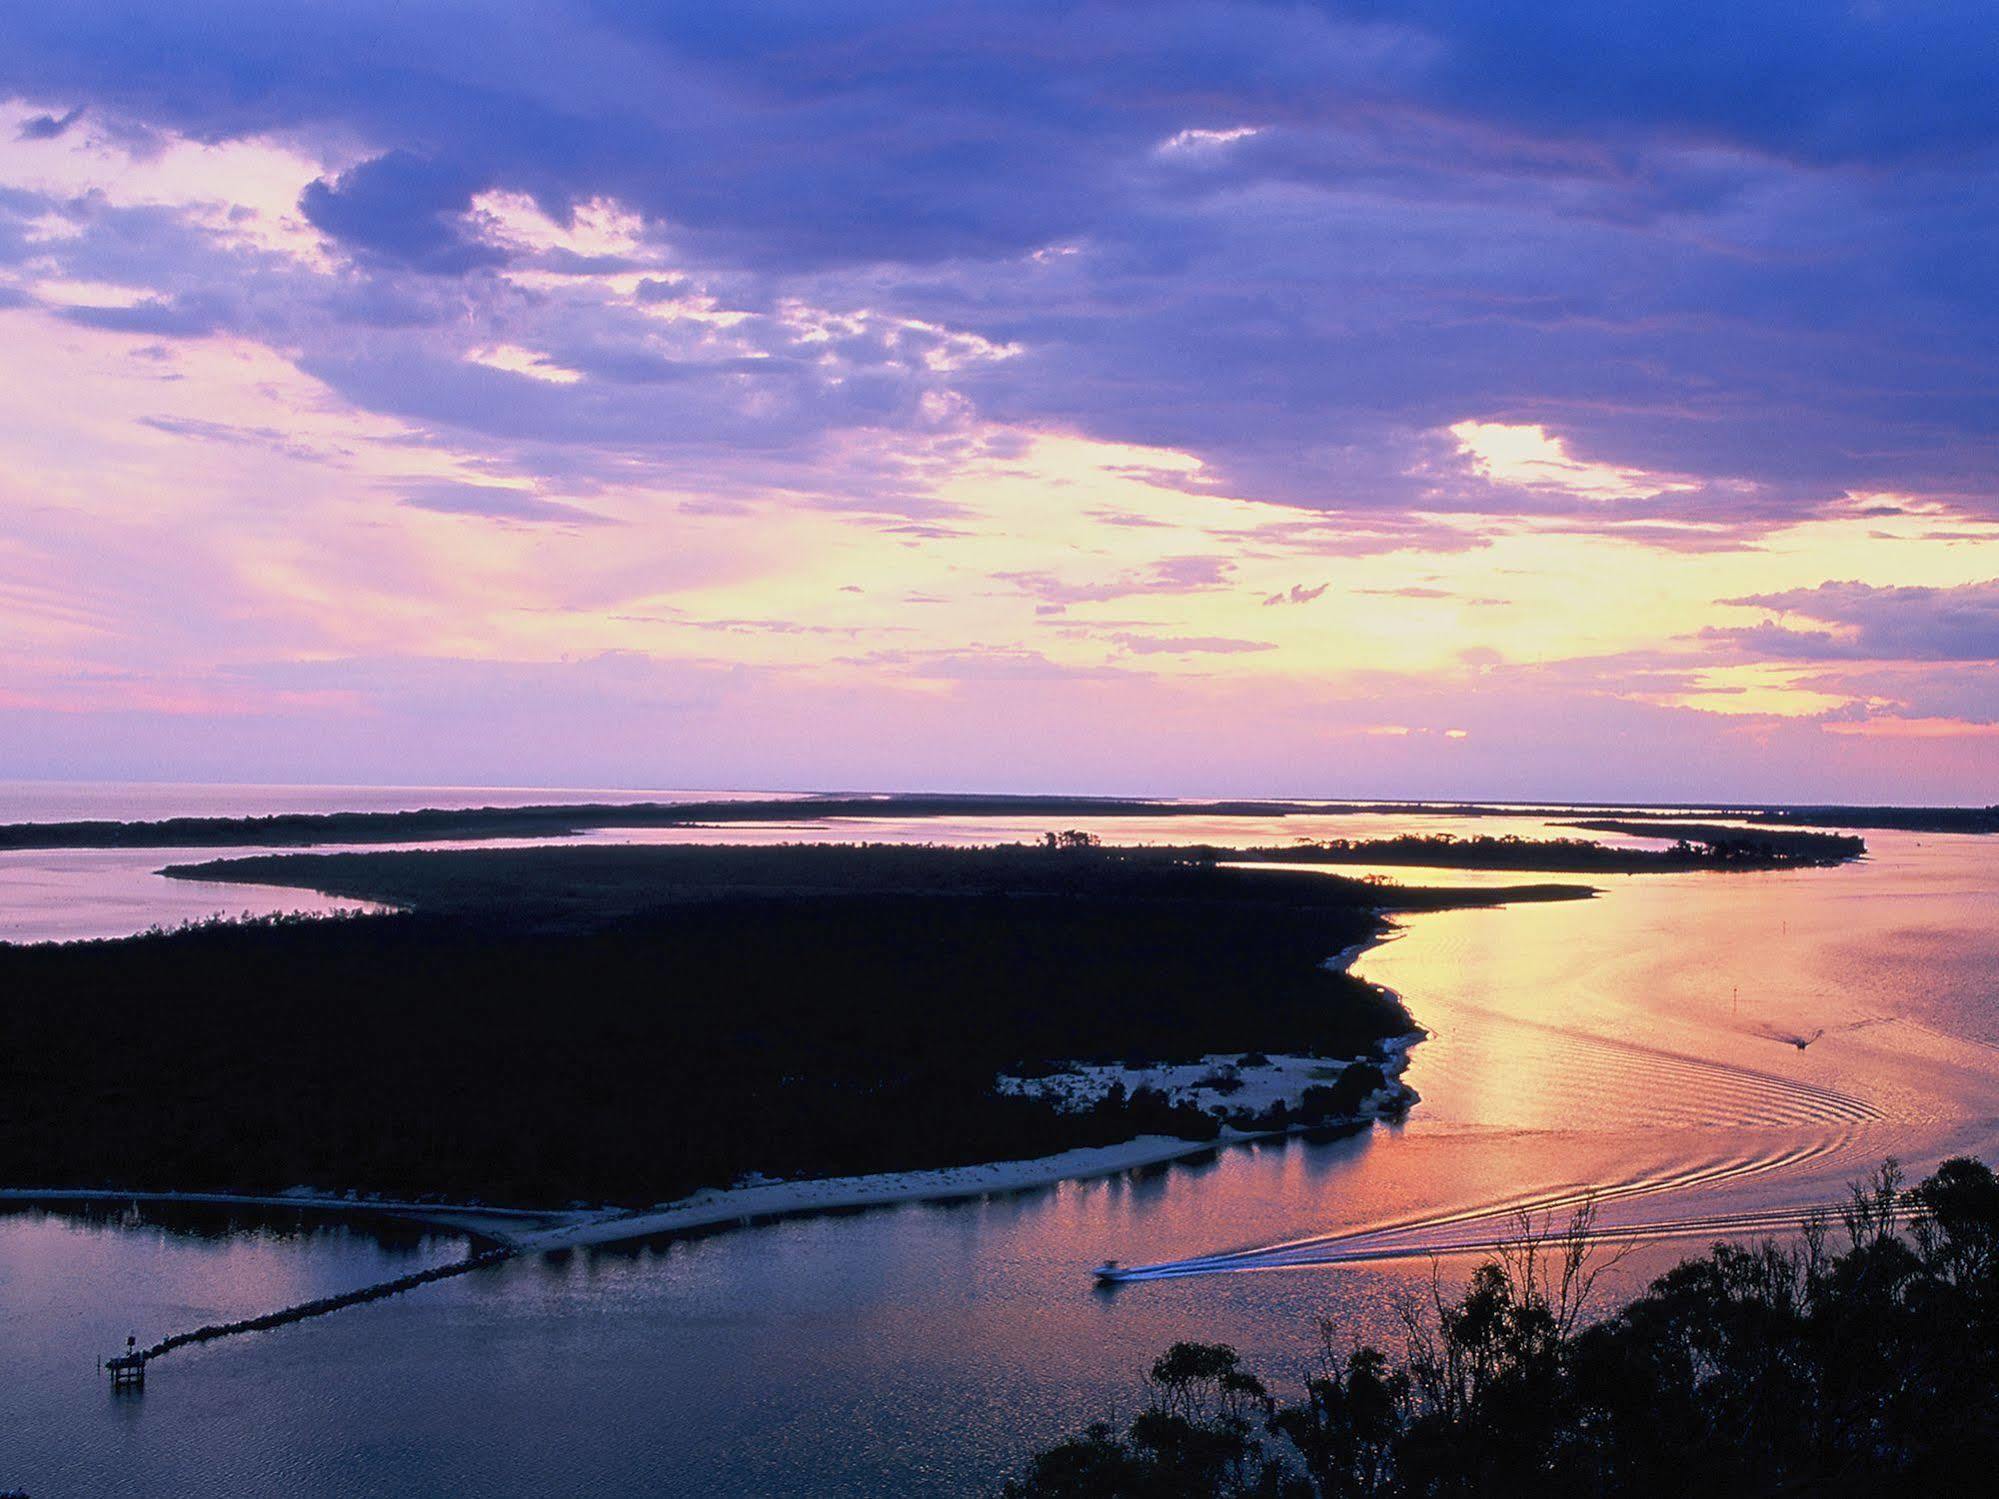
(1753,1369)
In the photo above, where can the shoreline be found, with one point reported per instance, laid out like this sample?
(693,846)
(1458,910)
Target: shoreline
(480,823)
(527,1230)
(535,1230)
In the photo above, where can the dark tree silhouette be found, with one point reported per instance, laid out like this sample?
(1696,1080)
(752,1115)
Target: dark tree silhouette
(1800,1368)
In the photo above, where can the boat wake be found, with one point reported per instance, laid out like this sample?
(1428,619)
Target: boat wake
(1585,1075)
(1764,1152)
(1620,1207)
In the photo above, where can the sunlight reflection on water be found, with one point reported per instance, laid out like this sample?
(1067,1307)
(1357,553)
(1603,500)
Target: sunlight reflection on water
(1645,1042)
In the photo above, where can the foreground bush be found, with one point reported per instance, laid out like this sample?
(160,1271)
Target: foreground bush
(1861,1360)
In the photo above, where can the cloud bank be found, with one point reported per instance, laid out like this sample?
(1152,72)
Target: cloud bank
(1077,335)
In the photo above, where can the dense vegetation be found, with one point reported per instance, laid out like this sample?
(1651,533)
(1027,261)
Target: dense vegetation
(1862,1360)
(1722,846)
(627,1024)
(1904,819)
(1698,847)
(304,829)
(589,882)
(300,829)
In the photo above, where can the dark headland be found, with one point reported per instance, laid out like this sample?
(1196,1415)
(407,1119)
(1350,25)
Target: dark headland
(627,1024)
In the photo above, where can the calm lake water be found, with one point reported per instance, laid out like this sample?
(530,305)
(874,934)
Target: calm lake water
(1644,1044)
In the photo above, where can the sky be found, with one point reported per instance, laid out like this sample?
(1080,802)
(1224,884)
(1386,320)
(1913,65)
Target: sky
(1373,399)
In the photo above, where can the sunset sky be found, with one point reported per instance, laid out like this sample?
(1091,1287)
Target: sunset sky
(1511,399)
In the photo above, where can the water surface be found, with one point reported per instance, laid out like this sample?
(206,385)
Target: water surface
(1643,1044)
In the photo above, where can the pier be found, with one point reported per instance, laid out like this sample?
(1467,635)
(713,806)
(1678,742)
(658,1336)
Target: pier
(128,1369)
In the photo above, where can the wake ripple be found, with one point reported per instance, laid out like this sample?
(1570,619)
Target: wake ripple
(1590,1077)
(1484,1228)
(1655,1087)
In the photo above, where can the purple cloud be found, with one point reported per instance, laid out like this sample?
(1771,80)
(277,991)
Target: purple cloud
(495,502)
(160,317)
(714,271)
(1298,593)
(1167,576)
(1869,623)
(1692,257)
(1189,645)
(404,209)
(47,127)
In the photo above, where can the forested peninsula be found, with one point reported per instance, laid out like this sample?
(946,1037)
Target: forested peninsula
(628,1024)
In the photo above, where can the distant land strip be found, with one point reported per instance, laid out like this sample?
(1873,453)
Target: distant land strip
(1901,819)
(307,829)
(597,882)
(1698,846)
(577,876)
(302,829)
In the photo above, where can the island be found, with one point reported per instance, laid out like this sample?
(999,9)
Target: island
(629,1025)
(1695,847)
(468,824)
(561,820)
